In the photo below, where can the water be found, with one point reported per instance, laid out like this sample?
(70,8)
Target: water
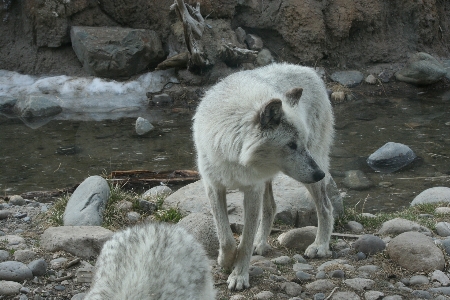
(63,152)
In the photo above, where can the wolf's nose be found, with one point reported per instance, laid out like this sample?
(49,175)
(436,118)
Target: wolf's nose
(318,175)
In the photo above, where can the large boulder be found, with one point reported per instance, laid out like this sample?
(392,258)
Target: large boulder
(295,205)
(87,203)
(422,69)
(416,252)
(391,157)
(82,241)
(115,51)
(433,195)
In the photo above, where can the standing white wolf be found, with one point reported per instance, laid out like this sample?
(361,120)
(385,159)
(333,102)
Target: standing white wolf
(247,128)
(152,262)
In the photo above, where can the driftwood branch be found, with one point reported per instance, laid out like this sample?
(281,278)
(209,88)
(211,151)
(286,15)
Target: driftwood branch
(193,25)
(234,56)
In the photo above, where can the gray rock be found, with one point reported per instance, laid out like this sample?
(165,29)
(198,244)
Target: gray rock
(360,284)
(282,260)
(277,278)
(357,180)
(17,200)
(421,294)
(360,256)
(391,157)
(263,295)
(254,42)
(291,288)
(58,263)
(143,126)
(85,274)
(345,296)
(368,269)
(14,242)
(320,285)
(9,288)
(443,229)
(321,275)
(299,258)
(203,228)
(264,57)
(348,78)
(337,274)
(369,244)
(418,280)
(433,195)
(147,206)
(294,203)
(133,217)
(354,226)
(115,51)
(299,238)
(319,296)
(7,104)
(399,225)
(157,191)
(162,99)
(336,263)
(303,276)
(4,214)
(14,271)
(440,277)
(442,210)
(82,241)
(446,245)
(302,267)
(240,34)
(37,107)
(418,248)
(87,203)
(393,297)
(373,295)
(24,255)
(4,255)
(440,290)
(421,69)
(38,267)
(370,79)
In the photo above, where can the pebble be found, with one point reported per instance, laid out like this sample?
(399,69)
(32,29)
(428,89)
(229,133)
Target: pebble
(354,226)
(345,296)
(373,295)
(360,284)
(418,280)
(143,126)
(337,274)
(291,288)
(4,214)
(282,260)
(303,276)
(421,294)
(321,275)
(443,229)
(360,256)
(319,296)
(300,259)
(57,263)
(38,267)
(440,277)
(320,285)
(255,271)
(24,255)
(9,288)
(264,295)
(302,267)
(14,271)
(4,255)
(17,200)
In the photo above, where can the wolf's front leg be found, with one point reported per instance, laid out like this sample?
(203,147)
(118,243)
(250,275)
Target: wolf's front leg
(238,279)
(266,220)
(321,245)
(227,250)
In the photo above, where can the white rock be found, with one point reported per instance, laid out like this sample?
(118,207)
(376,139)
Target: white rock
(433,195)
(399,225)
(360,284)
(373,295)
(143,126)
(440,276)
(443,229)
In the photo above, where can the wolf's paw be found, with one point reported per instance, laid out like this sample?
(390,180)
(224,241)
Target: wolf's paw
(315,250)
(226,258)
(261,248)
(238,282)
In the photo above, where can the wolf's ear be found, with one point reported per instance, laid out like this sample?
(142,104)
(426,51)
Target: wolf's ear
(270,116)
(293,96)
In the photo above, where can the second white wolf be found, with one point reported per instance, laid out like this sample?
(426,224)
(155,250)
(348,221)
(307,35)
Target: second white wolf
(154,261)
(247,128)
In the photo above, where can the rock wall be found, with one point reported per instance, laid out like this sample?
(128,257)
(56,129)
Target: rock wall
(35,35)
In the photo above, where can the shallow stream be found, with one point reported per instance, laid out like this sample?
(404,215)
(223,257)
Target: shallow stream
(62,153)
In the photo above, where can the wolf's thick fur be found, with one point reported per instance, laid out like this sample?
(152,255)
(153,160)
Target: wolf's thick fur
(152,261)
(247,128)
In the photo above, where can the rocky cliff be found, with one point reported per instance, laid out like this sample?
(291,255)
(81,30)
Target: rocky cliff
(35,34)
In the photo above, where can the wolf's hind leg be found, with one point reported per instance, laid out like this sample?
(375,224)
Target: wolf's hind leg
(321,245)
(266,220)
(227,250)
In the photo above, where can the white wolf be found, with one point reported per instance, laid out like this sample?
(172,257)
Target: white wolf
(247,128)
(152,261)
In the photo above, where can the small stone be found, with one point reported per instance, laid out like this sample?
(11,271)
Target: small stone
(24,290)
(354,226)
(320,285)
(321,275)
(147,206)
(291,288)
(264,57)
(337,274)
(357,180)
(360,256)
(373,295)
(24,255)
(160,191)
(59,287)
(368,269)
(348,78)
(433,195)
(303,276)
(421,294)
(124,205)
(282,260)
(4,255)
(277,278)
(161,99)
(319,296)
(299,258)
(133,217)
(254,42)
(264,295)
(360,284)
(4,214)
(442,210)
(38,267)
(14,271)
(418,279)
(443,229)
(370,79)
(17,200)
(345,296)
(85,274)
(302,267)
(9,288)
(369,244)
(255,271)
(391,157)
(440,277)
(143,126)
(58,263)
(399,225)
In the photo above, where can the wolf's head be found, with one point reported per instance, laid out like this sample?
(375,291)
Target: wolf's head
(284,139)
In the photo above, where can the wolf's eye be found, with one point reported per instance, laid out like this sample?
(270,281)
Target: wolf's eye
(292,145)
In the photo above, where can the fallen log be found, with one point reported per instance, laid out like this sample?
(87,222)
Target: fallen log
(151,178)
